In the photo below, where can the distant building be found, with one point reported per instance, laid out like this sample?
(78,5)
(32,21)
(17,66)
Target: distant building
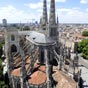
(4,22)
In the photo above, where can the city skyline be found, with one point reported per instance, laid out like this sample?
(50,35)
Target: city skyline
(68,11)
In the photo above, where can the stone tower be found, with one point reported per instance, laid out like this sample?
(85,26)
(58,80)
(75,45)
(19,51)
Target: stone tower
(12,37)
(53,25)
(44,20)
(11,46)
(44,13)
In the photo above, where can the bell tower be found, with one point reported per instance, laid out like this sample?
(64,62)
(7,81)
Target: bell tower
(44,20)
(53,25)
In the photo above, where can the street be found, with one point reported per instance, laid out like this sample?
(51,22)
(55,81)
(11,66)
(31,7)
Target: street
(83,65)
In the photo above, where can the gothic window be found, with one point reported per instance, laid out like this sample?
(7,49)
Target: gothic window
(13,48)
(42,56)
(12,37)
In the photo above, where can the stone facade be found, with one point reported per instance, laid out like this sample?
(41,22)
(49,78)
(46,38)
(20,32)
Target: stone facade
(25,60)
(12,37)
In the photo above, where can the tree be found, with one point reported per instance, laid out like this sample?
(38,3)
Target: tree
(2,83)
(82,45)
(83,48)
(85,52)
(1,68)
(85,33)
(1,51)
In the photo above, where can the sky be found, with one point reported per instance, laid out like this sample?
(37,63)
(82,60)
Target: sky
(24,11)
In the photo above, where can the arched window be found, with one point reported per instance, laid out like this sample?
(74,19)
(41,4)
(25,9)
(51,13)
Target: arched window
(12,37)
(13,48)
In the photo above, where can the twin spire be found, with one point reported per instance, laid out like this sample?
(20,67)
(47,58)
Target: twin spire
(45,12)
(51,26)
(52,16)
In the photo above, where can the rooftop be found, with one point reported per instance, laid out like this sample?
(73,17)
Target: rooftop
(38,38)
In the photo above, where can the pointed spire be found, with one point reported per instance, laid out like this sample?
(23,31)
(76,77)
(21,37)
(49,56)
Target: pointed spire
(52,21)
(44,12)
(52,18)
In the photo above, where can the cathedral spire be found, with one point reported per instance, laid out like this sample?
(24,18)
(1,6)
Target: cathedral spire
(52,21)
(52,18)
(44,12)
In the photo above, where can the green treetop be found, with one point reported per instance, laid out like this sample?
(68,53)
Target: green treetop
(85,33)
(83,48)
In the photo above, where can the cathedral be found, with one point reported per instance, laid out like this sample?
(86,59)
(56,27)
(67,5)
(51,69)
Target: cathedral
(37,59)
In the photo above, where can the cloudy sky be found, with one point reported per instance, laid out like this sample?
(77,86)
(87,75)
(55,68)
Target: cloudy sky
(69,11)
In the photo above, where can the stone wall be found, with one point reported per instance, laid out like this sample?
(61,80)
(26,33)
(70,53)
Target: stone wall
(44,85)
(68,43)
(16,82)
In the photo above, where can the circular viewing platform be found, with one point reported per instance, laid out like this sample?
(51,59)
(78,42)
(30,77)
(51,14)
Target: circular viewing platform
(40,39)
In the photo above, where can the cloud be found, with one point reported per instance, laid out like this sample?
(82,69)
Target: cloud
(84,1)
(13,14)
(58,0)
(87,9)
(34,5)
(66,15)
(73,15)
(39,4)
